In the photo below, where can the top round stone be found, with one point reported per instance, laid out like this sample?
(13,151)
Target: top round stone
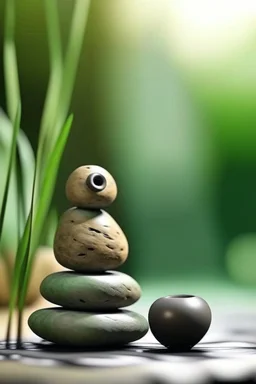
(91,187)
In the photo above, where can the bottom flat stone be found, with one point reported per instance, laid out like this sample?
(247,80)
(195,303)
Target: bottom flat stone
(88,329)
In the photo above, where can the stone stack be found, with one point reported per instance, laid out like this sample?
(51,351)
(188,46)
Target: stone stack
(90,244)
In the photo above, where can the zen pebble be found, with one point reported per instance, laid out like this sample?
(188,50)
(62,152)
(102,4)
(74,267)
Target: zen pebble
(89,240)
(107,291)
(88,329)
(179,322)
(91,187)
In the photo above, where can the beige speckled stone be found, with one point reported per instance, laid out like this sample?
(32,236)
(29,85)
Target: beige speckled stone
(80,195)
(89,240)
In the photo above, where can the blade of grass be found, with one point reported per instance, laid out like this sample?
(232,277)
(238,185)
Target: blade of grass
(20,262)
(78,24)
(24,261)
(71,60)
(11,163)
(49,227)
(43,207)
(54,84)
(10,61)
(20,194)
(12,100)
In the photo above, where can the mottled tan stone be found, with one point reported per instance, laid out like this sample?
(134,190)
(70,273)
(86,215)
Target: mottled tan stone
(89,240)
(81,195)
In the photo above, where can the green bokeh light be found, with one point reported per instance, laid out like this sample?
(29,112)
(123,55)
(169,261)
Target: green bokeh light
(241,259)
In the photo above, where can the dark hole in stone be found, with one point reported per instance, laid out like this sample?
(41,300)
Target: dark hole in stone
(90,249)
(107,236)
(71,221)
(82,301)
(98,180)
(81,254)
(109,246)
(121,249)
(94,230)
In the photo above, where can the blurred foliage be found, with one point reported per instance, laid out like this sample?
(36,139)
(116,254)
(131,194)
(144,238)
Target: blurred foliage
(10,230)
(55,122)
(164,99)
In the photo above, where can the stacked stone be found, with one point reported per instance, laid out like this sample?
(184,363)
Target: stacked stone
(91,244)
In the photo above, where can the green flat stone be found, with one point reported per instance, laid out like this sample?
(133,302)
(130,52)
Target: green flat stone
(107,291)
(88,329)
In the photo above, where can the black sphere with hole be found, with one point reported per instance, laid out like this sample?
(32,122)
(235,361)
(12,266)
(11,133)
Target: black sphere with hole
(179,322)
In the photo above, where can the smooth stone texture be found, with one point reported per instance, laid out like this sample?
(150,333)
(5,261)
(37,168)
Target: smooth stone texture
(89,241)
(179,322)
(87,329)
(91,186)
(108,291)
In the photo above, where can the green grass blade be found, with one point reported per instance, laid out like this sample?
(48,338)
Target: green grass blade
(49,227)
(71,60)
(44,204)
(20,263)
(10,61)
(54,37)
(54,84)
(11,163)
(20,193)
(50,179)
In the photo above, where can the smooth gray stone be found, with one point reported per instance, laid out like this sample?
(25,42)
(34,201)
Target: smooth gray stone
(110,290)
(88,329)
(180,321)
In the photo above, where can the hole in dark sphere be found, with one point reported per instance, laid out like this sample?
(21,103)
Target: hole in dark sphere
(181,296)
(98,180)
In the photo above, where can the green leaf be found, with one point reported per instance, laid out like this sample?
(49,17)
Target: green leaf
(21,261)
(54,84)
(10,61)
(10,166)
(44,203)
(49,227)
(70,65)
(19,193)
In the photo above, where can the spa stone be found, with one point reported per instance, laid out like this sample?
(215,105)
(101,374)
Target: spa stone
(88,329)
(179,322)
(110,290)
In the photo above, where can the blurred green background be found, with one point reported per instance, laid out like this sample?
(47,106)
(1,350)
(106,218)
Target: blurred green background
(165,99)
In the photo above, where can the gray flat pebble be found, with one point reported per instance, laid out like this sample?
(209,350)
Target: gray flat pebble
(88,329)
(110,290)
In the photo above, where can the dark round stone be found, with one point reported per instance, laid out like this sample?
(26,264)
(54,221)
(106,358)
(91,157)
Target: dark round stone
(179,322)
